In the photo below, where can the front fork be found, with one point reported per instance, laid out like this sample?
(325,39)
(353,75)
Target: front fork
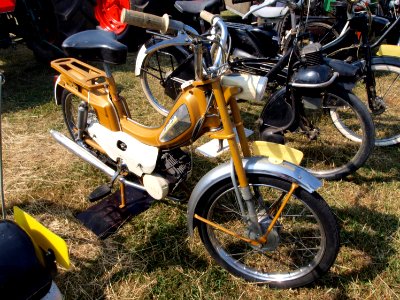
(375,103)
(243,192)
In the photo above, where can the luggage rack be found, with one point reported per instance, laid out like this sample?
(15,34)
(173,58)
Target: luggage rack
(80,73)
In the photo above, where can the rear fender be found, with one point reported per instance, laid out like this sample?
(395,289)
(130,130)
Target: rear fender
(386,60)
(254,165)
(58,89)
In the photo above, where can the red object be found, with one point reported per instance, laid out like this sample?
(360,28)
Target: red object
(7,6)
(108,13)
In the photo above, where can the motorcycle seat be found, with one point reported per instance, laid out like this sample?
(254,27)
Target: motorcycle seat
(196,6)
(96,45)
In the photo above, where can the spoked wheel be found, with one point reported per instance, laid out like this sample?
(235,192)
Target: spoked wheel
(321,32)
(387,123)
(160,77)
(327,152)
(70,104)
(302,246)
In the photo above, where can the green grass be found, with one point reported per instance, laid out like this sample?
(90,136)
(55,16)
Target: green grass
(152,257)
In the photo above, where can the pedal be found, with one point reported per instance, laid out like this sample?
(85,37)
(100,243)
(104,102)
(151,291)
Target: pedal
(99,193)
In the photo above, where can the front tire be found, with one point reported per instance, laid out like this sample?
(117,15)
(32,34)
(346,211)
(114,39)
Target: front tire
(302,246)
(157,72)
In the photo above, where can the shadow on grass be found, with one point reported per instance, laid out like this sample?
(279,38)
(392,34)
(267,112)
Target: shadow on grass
(28,83)
(365,235)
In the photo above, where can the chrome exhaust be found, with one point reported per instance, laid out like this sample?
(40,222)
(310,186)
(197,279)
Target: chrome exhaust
(90,158)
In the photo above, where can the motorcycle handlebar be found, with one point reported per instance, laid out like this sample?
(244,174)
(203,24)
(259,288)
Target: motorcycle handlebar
(207,16)
(149,21)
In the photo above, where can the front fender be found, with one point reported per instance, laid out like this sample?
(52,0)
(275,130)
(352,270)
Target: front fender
(139,59)
(254,165)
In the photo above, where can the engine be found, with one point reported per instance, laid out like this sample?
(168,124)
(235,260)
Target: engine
(175,166)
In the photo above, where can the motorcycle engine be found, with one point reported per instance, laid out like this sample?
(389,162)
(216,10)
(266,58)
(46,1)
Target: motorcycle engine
(175,166)
(313,69)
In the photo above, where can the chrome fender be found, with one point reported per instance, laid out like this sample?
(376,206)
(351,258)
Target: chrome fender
(139,59)
(58,89)
(182,39)
(254,165)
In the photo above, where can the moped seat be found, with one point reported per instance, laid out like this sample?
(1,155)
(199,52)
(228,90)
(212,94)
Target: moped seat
(195,7)
(96,45)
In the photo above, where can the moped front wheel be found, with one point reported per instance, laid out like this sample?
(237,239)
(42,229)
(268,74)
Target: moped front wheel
(302,246)
(158,76)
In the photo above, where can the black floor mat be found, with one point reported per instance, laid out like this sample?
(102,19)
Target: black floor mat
(105,217)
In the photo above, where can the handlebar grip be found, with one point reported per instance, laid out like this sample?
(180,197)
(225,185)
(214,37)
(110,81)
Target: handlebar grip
(207,16)
(145,20)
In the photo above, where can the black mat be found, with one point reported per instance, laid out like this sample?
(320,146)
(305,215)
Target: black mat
(105,217)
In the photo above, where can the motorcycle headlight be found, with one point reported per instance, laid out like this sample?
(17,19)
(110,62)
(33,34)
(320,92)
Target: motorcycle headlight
(177,124)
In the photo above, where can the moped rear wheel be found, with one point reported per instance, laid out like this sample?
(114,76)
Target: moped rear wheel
(302,246)
(387,123)
(69,105)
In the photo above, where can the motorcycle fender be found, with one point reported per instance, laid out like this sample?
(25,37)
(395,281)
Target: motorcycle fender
(139,59)
(254,165)
(180,40)
(58,89)
(386,60)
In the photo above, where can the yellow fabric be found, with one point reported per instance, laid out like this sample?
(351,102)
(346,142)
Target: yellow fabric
(43,237)
(389,50)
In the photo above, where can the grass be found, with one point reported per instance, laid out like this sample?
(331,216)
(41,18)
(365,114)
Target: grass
(151,257)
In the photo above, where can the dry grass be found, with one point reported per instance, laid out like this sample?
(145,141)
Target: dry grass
(151,257)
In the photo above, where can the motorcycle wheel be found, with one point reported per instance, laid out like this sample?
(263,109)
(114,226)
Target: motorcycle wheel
(329,154)
(69,105)
(155,73)
(387,124)
(302,246)
(321,32)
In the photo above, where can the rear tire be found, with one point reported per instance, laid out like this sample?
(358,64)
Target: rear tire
(45,24)
(387,124)
(69,106)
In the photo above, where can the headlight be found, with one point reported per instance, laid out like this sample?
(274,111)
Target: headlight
(177,124)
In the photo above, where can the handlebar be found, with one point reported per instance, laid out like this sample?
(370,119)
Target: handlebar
(165,25)
(148,21)
(144,20)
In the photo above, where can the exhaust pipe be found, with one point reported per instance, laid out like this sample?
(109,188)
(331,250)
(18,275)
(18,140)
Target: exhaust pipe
(90,158)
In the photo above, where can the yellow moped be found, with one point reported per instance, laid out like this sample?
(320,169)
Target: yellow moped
(259,217)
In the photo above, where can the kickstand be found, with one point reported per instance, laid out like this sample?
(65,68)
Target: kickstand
(105,189)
